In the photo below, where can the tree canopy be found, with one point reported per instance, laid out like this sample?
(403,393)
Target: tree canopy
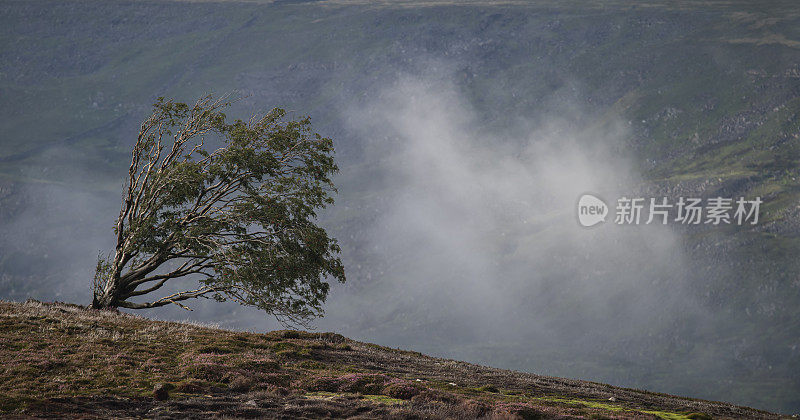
(240,218)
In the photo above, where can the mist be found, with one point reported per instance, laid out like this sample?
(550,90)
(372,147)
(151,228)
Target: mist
(465,137)
(474,246)
(463,239)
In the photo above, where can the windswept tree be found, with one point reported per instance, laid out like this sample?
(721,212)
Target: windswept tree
(238,219)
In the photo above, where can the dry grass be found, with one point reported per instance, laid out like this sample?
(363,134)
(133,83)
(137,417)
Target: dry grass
(71,361)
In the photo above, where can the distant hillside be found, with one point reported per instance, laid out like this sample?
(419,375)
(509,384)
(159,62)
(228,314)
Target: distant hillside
(702,98)
(66,361)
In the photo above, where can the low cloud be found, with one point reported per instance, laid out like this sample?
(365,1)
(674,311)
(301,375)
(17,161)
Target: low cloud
(476,238)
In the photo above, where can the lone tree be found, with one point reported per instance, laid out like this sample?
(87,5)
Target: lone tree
(238,218)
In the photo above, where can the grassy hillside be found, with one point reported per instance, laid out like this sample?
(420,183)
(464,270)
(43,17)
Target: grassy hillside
(707,94)
(67,361)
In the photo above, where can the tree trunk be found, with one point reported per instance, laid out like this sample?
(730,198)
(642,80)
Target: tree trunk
(108,297)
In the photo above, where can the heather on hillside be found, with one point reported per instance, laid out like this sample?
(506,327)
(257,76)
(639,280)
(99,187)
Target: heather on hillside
(71,361)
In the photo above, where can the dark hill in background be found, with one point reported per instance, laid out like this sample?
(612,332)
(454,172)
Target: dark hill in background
(707,95)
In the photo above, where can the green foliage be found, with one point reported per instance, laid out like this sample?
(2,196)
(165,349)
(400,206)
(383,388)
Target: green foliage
(488,388)
(240,217)
(102,272)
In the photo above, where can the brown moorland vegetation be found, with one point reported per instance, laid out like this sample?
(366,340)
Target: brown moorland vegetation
(68,361)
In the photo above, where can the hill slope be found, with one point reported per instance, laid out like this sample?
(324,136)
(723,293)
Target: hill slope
(702,97)
(65,360)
